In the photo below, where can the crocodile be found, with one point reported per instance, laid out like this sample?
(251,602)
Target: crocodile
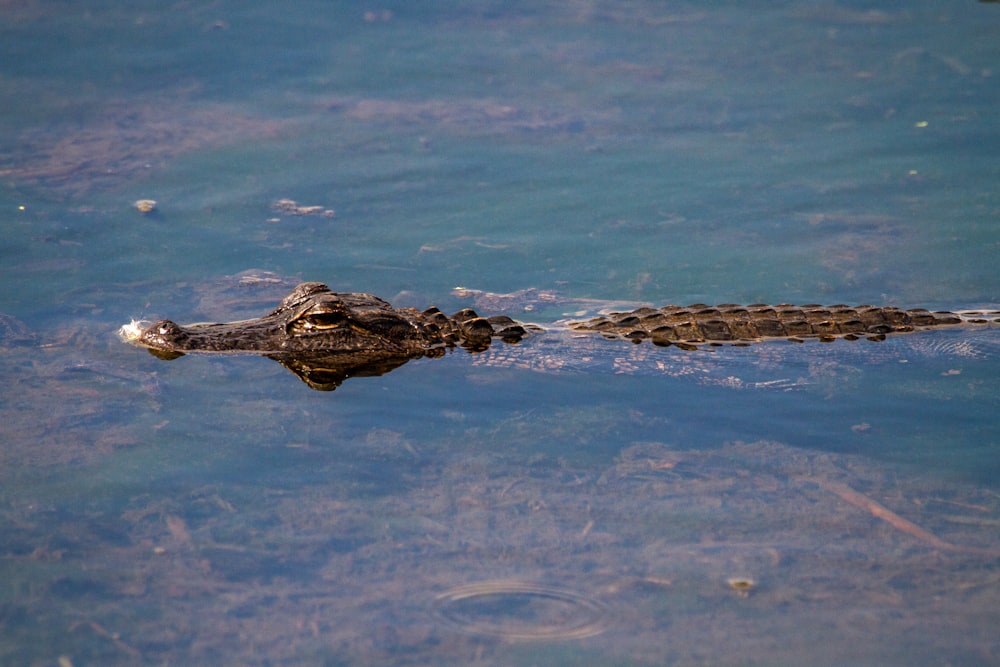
(325,337)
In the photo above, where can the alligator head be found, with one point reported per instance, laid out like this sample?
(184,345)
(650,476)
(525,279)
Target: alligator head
(310,319)
(324,336)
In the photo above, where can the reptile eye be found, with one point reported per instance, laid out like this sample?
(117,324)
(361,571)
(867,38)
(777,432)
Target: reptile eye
(167,328)
(322,321)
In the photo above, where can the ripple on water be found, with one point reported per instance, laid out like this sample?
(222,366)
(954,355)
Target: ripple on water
(522,611)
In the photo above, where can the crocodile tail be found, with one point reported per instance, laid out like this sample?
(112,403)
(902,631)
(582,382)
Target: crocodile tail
(688,326)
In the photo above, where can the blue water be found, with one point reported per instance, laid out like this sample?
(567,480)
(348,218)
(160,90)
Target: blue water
(218,511)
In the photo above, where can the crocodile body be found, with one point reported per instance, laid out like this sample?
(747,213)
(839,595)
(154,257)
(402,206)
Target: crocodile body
(325,336)
(688,326)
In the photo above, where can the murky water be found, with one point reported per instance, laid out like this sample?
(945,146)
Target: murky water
(555,502)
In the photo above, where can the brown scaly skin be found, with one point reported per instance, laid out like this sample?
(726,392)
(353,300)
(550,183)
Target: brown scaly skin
(325,337)
(689,326)
(313,319)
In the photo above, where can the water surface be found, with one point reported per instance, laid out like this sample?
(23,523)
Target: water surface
(549,503)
